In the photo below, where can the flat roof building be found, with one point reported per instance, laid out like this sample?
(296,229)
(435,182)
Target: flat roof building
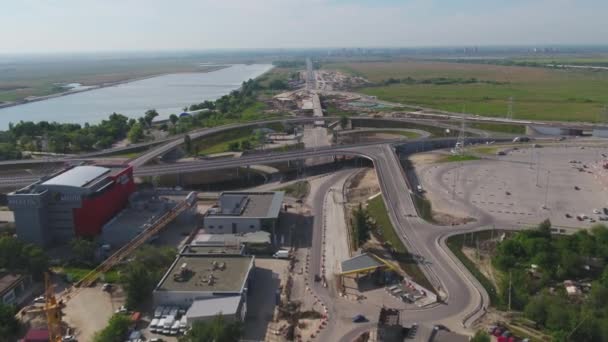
(207,281)
(77,201)
(200,275)
(244,212)
(13,288)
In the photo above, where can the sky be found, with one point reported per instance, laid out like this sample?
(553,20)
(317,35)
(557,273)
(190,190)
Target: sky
(52,26)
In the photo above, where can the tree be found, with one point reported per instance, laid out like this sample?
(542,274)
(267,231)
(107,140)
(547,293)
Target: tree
(188,143)
(115,331)
(149,116)
(83,249)
(277,85)
(343,121)
(174,119)
(136,133)
(216,330)
(144,272)
(361,225)
(9,325)
(138,283)
(481,336)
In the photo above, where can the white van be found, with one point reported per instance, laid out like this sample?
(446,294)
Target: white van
(158,312)
(183,324)
(168,324)
(281,254)
(160,326)
(153,325)
(174,328)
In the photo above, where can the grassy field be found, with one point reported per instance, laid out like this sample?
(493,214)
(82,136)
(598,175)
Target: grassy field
(455,243)
(75,274)
(377,211)
(407,134)
(22,79)
(501,128)
(539,93)
(457,158)
(298,189)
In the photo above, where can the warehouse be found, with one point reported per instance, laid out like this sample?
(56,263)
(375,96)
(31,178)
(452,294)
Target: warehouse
(195,276)
(77,201)
(244,212)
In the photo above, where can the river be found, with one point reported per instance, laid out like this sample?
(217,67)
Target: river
(168,94)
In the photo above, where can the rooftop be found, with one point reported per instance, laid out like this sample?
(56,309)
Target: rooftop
(214,306)
(78,176)
(249,204)
(8,281)
(259,237)
(207,274)
(215,249)
(360,263)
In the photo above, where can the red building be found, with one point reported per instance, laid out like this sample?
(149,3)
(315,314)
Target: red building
(74,202)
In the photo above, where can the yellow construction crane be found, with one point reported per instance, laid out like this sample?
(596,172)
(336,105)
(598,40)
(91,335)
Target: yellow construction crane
(52,309)
(53,305)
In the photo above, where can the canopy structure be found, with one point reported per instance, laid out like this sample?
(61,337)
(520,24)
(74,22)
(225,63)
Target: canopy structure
(364,263)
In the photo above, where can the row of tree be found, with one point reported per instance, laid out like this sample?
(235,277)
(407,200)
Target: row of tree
(67,137)
(17,256)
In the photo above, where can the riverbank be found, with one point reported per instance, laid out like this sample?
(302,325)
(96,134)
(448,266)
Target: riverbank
(167,93)
(90,87)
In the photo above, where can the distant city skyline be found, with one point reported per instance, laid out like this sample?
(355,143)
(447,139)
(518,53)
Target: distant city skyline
(55,26)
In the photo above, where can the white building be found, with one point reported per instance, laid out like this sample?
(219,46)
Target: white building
(244,212)
(207,281)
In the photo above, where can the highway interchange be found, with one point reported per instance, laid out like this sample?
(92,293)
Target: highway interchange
(463,299)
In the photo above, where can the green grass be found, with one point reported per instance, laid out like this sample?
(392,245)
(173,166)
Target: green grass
(501,128)
(539,93)
(486,150)
(433,130)
(377,210)
(298,189)
(129,155)
(455,244)
(424,208)
(407,134)
(76,273)
(457,158)
(223,146)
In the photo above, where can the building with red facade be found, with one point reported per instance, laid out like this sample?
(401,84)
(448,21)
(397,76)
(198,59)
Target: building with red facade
(75,202)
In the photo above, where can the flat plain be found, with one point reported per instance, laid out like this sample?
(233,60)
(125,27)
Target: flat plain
(538,93)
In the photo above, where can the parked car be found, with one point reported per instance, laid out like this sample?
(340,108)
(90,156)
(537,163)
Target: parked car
(39,299)
(359,319)
(106,287)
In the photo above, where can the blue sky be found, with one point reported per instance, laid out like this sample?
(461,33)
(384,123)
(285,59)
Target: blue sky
(104,25)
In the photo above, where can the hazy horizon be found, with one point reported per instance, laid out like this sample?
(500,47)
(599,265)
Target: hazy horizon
(71,26)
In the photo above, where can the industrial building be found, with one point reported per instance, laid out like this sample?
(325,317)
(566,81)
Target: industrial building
(207,281)
(14,288)
(244,212)
(77,201)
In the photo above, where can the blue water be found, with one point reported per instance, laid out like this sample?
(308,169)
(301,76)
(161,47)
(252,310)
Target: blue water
(167,94)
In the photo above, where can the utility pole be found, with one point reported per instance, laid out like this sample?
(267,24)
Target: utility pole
(509,291)
(510,109)
(460,143)
(547,188)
